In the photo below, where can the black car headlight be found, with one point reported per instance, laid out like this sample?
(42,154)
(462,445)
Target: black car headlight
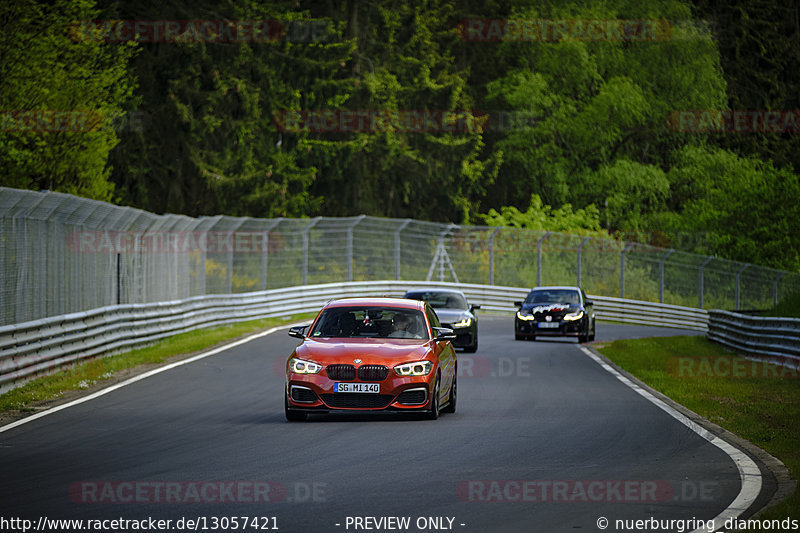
(524,317)
(463,323)
(570,317)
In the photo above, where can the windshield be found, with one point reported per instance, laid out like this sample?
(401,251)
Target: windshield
(560,296)
(376,322)
(440,299)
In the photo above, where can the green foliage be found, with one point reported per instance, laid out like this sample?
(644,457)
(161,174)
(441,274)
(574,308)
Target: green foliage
(76,90)
(543,217)
(789,306)
(746,209)
(571,134)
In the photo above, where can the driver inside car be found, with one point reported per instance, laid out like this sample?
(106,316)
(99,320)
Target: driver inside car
(401,323)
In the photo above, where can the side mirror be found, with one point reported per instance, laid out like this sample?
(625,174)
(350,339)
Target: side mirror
(588,302)
(444,334)
(518,304)
(298,331)
(474,307)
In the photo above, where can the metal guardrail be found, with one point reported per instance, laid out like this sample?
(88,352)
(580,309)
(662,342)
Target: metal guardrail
(42,346)
(772,339)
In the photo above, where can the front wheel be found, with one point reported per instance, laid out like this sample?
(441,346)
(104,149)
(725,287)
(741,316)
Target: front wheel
(451,403)
(433,413)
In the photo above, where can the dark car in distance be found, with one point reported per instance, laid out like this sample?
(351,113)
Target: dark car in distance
(555,312)
(454,312)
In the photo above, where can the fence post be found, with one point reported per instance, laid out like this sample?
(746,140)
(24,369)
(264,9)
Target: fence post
(661,274)
(702,267)
(229,273)
(265,254)
(491,255)
(775,288)
(580,247)
(628,246)
(350,246)
(405,223)
(539,258)
(738,278)
(306,230)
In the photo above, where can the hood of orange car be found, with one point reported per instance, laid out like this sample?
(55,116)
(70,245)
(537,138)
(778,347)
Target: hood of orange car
(370,351)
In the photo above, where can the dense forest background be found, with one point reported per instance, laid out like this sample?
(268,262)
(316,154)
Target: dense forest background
(566,133)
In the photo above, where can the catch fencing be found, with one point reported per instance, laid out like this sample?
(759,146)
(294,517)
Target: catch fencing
(60,254)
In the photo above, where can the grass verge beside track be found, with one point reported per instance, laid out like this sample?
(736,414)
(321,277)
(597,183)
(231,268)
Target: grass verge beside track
(85,377)
(758,402)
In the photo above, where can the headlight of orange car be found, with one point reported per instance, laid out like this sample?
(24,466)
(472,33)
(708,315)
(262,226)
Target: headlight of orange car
(299,366)
(418,368)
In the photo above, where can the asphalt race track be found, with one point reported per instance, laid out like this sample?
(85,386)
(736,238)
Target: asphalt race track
(543,440)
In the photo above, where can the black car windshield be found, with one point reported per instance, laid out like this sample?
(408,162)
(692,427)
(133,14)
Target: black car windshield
(440,299)
(379,322)
(558,296)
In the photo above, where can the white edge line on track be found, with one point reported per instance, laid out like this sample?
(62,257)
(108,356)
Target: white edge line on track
(749,473)
(141,377)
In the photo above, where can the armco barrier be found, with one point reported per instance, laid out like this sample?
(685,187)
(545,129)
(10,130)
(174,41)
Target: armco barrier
(42,346)
(772,339)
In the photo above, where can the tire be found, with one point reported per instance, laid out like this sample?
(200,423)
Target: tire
(292,415)
(433,413)
(451,402)
(582,339)
(594,330)
(518,337)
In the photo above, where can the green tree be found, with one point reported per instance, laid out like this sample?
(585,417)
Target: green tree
(62,96)
(741,208)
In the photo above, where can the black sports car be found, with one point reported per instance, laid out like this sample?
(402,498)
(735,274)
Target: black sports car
(555,312)
(454,312)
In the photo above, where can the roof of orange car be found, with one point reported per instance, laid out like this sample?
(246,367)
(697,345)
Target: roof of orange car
(377,301)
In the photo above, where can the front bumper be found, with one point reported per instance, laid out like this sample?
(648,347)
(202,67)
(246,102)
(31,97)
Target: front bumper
(465,337)
(531,328)
(315,393)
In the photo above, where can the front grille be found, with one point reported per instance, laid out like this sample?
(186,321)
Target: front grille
(303,395)
(413,397)
(372,372)
(357,400)
(341,372)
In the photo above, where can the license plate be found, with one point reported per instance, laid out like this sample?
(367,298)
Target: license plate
(548,324)
(357,387)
